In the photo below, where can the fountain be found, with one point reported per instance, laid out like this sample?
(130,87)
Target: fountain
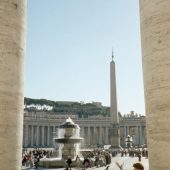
(69,140)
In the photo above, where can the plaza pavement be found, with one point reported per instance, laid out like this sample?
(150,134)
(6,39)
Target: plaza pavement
(128,163)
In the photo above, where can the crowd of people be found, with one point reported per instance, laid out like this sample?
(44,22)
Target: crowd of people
(96,158)
(30,158)
(132,152)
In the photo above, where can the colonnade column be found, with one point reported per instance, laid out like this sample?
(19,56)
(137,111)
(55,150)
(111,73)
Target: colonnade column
(107,141)
(37,136)
(32,135)
(42,139)
(100,136)
(125,132)
(155,35)
(12,52)
(89,135)
(53,135)
(48,136)
(95,141)
(26,136)
(141,135)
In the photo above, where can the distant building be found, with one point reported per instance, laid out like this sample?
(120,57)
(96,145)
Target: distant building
(40,128)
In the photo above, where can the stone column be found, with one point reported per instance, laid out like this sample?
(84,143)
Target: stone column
(104,135)
(12,49)
(140,135)
(137,137)
(48,136)
(53,135)
(100,136)
(155,35)
(32,135)
(37,136)
(95,135)
(125,132)
(42,135)
(89,135)
(107,139)
(26,136)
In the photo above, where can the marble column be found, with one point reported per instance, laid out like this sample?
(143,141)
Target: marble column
(125,133)
(37,136)
(95,141)
(137,137)
(107,139)
(32,135)
(42,135)
(29,135)
(140,135)
(12,51)
(26,136)
(53,135)
(127,130)
(103,135)
(100,136)
(155,35)
(89,135)
(48,136)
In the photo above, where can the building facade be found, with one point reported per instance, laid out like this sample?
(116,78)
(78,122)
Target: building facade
(41,127)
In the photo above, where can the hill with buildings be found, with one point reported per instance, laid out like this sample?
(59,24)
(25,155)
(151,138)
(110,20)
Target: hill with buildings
(79,108)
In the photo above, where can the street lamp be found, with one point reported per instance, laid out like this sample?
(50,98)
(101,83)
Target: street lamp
(128,141)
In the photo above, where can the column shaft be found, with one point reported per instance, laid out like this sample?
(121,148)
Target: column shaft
(42,135)
(37,136)
(48,136)
(155,35)
(12,51)
(107,139)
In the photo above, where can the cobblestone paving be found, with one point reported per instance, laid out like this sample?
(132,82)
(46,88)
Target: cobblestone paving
(128,162)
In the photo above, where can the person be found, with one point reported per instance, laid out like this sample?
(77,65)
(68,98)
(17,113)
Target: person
(138,166)
(139,156)
(78,162)
(69,162)
(86,163)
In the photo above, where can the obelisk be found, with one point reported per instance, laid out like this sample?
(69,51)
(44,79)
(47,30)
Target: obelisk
(12,49)
(115,141)
(155,35)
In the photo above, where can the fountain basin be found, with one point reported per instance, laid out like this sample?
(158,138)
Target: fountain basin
(57,163)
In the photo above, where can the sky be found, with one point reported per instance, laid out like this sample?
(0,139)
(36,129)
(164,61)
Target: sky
(69,48)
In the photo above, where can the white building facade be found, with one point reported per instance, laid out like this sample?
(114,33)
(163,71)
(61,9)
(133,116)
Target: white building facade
(41,127)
